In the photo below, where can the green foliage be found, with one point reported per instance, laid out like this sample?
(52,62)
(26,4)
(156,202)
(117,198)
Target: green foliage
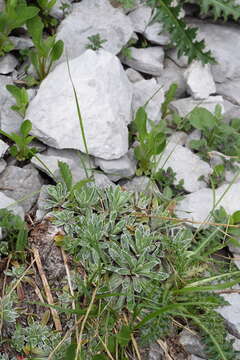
(95,42)
(15,14)
(220,8)
(182,36)
(21,97)
(127,4)
(21,150)
(47,50)
(151,142)
(14,234)
(146,269)
(166,181)
(45,9)
(215,133)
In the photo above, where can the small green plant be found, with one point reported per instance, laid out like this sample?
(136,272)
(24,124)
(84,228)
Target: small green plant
(46,51)
(95,42)
(21,150)
(45,9)
(21,97)
(65,8)
(151,142)
(165,180)
(15,14)
(14,234)
(215,134)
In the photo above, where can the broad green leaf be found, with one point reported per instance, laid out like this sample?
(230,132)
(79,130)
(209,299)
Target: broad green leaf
(57,50)
(169,96)
(140,122)
(202,119)
(66,174)
(124,335)
(35,28)
(26,127)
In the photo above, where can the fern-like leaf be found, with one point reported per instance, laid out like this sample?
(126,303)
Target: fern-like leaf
(220,8)
(182,36)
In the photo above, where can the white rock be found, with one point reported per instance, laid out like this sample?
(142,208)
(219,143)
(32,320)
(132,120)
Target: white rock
(21,43)
(230,89)
(73,158)
(231,312)
(57,10)
(156,34)
(140,184)
(102,181)
(10,204)
(148,60)
(186,105)
(105,96)
(133,75)
(181,61)
(3,165)
(186,165)
(118,169)
(140,18)
(9,120)
(231,111)
(191,343)
(90,18)
(200,83)
(143,91)
(194,135)
(198,205)
(3,148)
(7,64)
(41,203)
(217,39)
(178,137)
(172,73)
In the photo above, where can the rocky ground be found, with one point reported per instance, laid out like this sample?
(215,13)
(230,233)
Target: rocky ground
(111,87)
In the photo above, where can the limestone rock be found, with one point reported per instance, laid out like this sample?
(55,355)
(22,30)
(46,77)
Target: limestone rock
(148,60)
(140,18)
(57,10)
(123,167)
(105,96)
(187,166)
(102,181)
(9,120)
(3,148)
(145,90)
(41,203)
(155,34)
(231,313)
(90,18)
(200,83)
(7,202)
(3,165)
(191,344)
(186,105)
(172,73)
(140,184)
(21,43)
(20,183)
(230,89)
(198,205)
(72,157)
(7,64)
(133,75)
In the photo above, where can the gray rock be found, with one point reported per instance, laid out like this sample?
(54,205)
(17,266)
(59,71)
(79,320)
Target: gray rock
(133,75)
(187,166)
(230,89)
(140,184)
(90,18)
(155,352)
(179,137)
(73,158)
(41,202)
(185,106)
(21,43)
(148,60)
(191,343)
(123,167)
(145,90)
(156,35)
(194,135)
(236,342)
(10,204)
(105,96)
(181,61)
(140,18)
(231,312)
(9,120)
(102,181)
(7,64)
(193,357)
(231,111)
(3,165)
(3,148)
(199,79)
(57,10)
(198,205)
(21,183)
(172,73)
